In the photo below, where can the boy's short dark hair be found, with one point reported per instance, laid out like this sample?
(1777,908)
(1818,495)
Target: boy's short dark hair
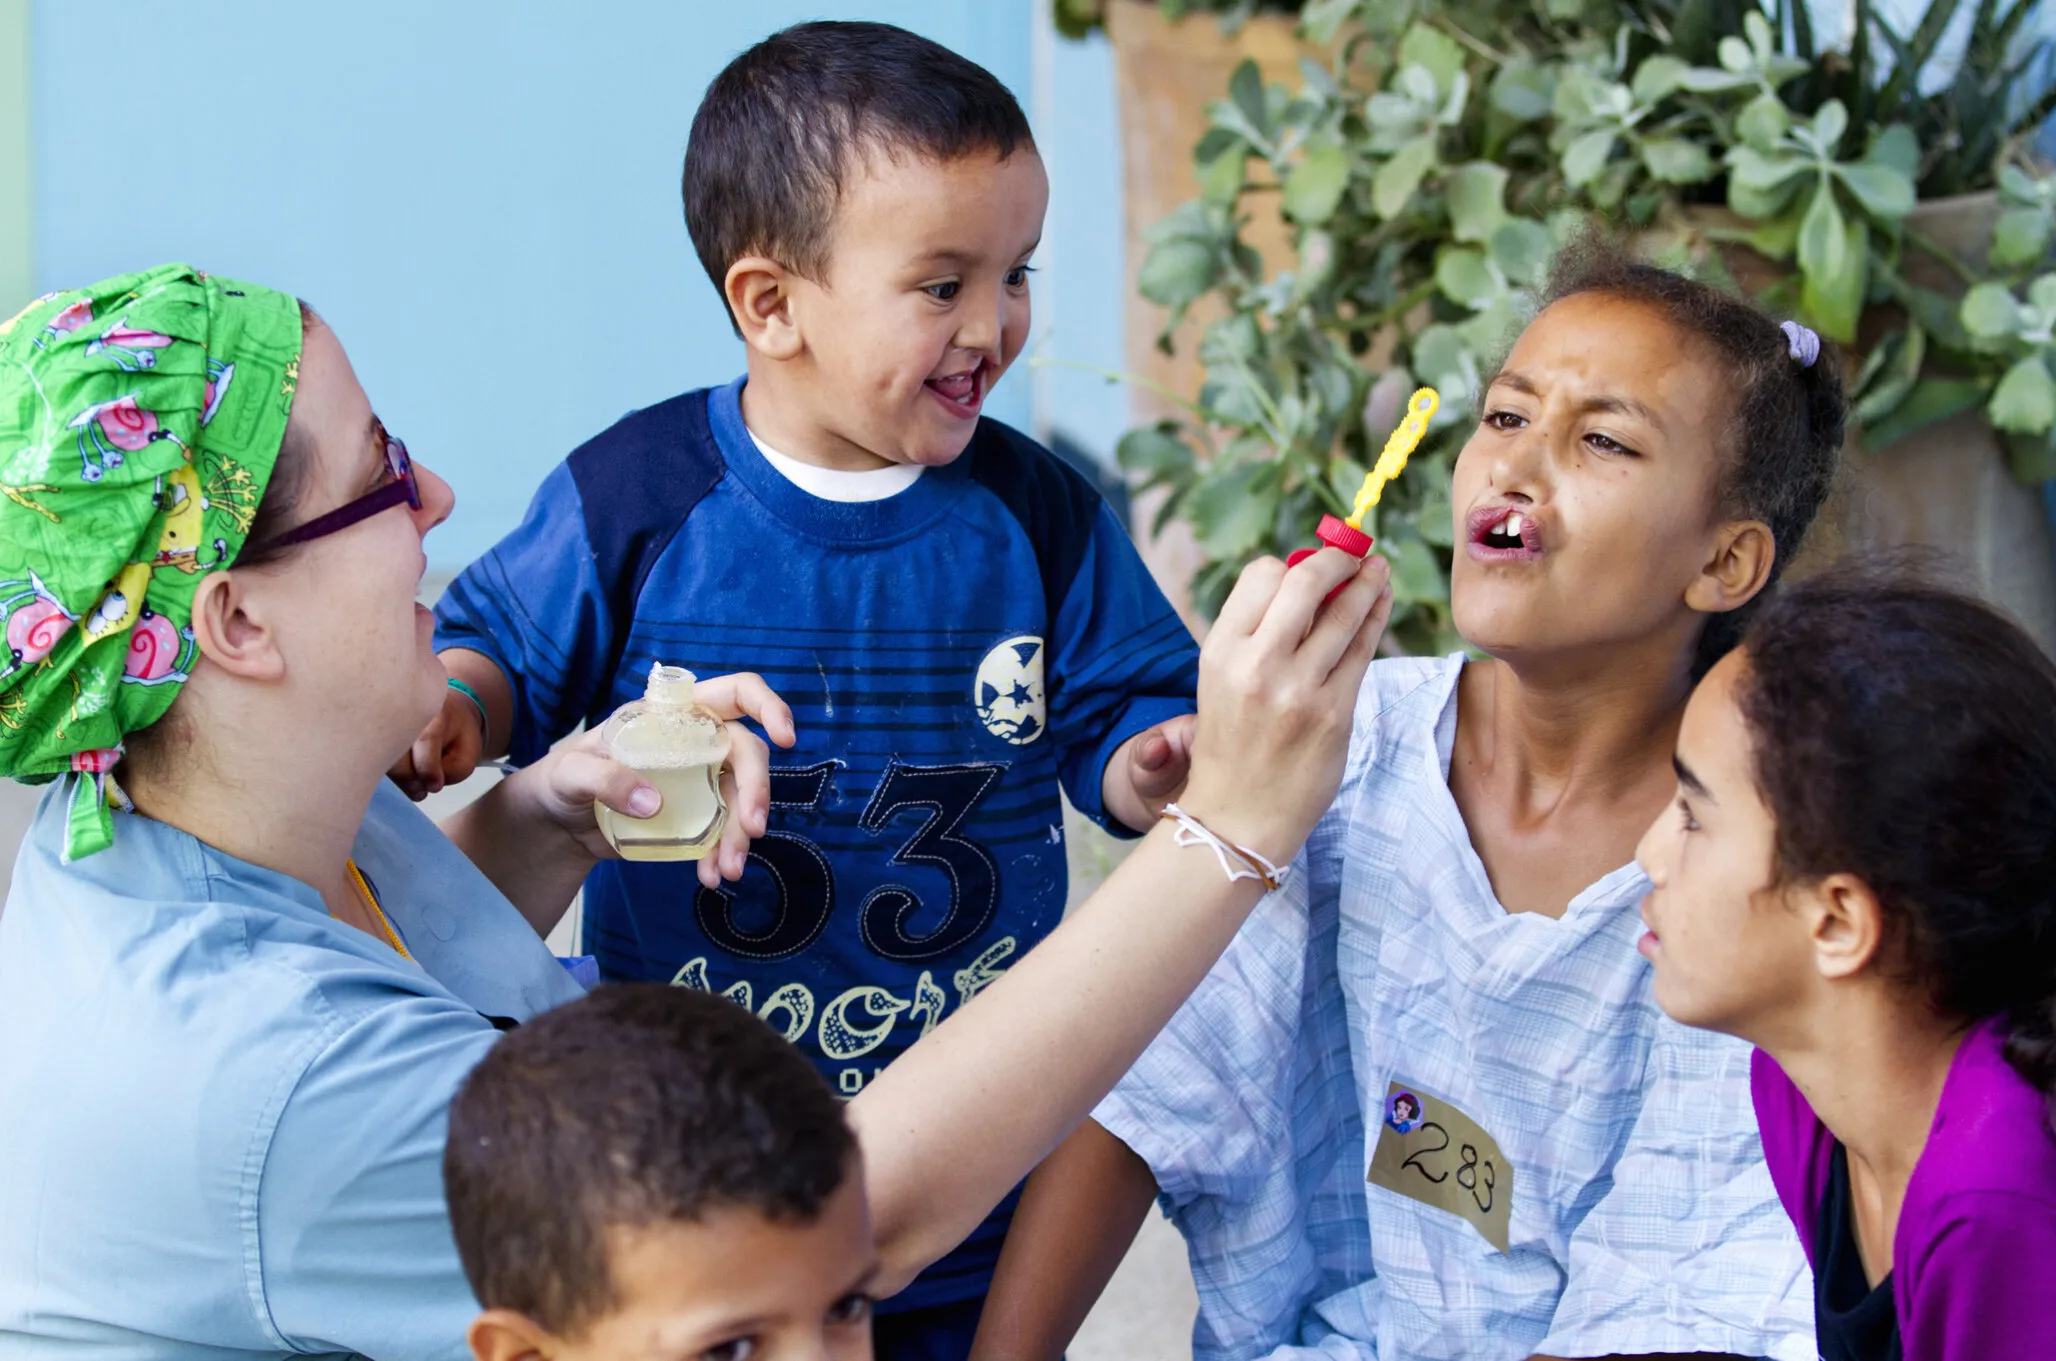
(638,1105)
(784,125)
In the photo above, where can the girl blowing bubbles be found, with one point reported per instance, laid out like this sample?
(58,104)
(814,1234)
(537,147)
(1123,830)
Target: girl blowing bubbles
(1859,877)
(1578,1176)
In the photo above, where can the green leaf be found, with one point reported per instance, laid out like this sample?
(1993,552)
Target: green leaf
(1577,95)
(1586,156)
(1415,573)
(1897,147)
(1765,205)
(1674,160)
(1394,115)
(1522,249)
(1658,78)
(1710,80)
(1234,339)
(1734,55)
(1763,122)
(2041,295)
(1762,44)
(1989,312)
(1492,330)
(1397,179)
(1884,193)
(1776,238)
(1318,80)
(1465,276)
(1314,188)
(1821,235)
(1153,452)
(1232,512)
(1830,121)
(1246,89)
(1221,180)
(1897,369)
(1459,99)
(1750,167)
(1435,50)
(1322,19)
(1477,193)
(2025,400)
(2030,459)
(1831,293)
(1176,272)
(2017,185)
(1417,83)
(1438,359)
(1523,92)
(2021,237)
(1932,400)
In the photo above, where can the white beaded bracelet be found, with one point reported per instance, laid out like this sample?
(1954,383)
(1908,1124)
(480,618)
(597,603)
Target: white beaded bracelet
(1193,832)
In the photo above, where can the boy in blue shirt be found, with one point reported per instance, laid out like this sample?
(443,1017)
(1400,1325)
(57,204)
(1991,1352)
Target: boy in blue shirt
(958,621)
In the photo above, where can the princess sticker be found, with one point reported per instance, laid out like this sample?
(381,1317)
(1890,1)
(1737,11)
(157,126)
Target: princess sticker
(1403,1112)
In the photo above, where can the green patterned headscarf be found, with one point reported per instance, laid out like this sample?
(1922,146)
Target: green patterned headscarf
(139,422)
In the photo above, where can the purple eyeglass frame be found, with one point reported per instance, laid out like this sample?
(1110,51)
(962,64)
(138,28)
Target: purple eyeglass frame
(403,487)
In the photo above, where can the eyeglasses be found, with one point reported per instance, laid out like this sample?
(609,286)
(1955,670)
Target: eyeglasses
(403,487)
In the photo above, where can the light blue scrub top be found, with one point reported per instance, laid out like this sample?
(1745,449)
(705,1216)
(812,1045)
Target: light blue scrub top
(222,1112)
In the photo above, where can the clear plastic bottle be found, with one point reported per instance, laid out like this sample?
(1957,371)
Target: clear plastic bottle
(678,746)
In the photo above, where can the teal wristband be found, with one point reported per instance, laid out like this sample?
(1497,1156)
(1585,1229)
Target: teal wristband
(485,722)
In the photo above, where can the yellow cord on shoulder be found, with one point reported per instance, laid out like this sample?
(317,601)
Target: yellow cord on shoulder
(1398,449)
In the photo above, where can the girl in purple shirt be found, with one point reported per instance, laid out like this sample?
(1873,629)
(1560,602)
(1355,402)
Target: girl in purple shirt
(1859,877)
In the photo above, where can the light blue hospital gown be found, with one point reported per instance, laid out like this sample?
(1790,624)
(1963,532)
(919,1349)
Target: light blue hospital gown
(1642,1217)
(222,1112)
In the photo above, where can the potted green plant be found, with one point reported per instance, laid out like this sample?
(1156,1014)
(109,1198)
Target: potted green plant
(1430,162)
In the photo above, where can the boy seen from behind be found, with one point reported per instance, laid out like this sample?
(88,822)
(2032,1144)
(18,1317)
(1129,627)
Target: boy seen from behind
(650,1172)
(958,621)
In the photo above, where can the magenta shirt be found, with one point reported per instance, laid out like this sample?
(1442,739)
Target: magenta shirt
(1974,1258)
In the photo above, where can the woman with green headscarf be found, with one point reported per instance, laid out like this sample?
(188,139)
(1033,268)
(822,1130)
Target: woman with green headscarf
(240,974)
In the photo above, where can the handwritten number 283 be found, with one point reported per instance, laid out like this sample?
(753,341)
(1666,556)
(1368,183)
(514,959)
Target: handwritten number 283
(1474,1174)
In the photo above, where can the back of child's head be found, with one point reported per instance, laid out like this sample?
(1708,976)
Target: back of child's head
(1784,440)
(1906,734)
(636,1106)
(786,124)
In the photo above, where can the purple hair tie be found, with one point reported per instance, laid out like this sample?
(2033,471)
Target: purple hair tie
(1804,342)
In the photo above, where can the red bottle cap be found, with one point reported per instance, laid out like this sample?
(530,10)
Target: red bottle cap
(1336,534)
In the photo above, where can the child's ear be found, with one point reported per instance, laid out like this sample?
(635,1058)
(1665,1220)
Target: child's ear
(1846,924)
(1743,554)
(759,293)
(504,1335)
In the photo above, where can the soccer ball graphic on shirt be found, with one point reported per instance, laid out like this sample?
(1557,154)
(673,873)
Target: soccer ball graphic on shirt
(1009,690)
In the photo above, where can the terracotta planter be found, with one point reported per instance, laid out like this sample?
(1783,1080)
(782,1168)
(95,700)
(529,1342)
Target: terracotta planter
(1167,73)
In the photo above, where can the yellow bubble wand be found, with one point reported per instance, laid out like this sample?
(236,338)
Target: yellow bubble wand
(1348,535)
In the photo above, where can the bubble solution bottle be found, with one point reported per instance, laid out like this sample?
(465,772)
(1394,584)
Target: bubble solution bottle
(678,746)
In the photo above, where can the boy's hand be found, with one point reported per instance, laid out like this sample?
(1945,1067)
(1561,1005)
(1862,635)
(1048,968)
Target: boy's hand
(579,771)
(446,752)
(1148,771)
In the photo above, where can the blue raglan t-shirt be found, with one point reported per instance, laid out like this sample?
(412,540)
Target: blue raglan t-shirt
(950,654)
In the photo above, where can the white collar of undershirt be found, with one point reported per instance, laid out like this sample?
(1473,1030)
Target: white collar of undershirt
(837,484)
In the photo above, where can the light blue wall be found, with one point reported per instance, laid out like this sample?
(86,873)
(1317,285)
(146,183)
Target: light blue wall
(1081,137)
(482,198)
